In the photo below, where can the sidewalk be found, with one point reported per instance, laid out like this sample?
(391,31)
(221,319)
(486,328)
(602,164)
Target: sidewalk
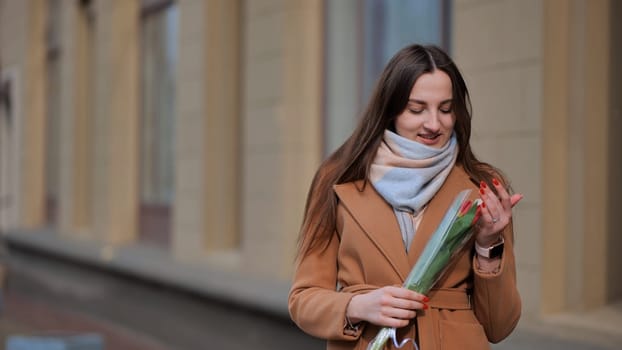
(22,316)
(555,335)
(50,295)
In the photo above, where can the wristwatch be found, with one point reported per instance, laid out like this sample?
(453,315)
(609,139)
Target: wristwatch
(494,251)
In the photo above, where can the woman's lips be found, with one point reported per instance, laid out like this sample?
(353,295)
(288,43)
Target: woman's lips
(429,139)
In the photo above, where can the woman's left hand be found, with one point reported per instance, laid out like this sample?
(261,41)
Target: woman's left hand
(496,212)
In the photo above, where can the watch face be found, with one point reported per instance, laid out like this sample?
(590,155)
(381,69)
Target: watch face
(496,251)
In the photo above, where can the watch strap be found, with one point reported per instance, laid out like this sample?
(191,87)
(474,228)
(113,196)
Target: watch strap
(491,252)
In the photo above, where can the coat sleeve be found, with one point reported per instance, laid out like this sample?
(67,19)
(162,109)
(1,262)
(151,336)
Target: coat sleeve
(314,304)
(496,301)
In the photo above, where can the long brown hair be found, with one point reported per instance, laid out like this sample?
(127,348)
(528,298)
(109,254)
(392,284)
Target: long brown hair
(352,160)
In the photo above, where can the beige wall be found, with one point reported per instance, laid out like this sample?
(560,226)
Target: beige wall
(115,144)
(579,188)
(33,132)
(498,46)
(206,214)
(249,137)
(75,176)
(614,258)
(281,124)
(11,59)
(246,151)
(222,129)
(188,223)
(22,30)
(546,112)
(594,125)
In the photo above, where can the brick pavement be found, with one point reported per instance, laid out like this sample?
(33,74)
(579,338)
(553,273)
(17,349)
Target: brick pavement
(23,316)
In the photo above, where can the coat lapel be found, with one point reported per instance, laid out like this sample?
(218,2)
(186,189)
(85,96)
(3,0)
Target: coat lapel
(376,218)
(456,181)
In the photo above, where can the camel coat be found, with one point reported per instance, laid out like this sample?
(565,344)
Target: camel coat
(468,309)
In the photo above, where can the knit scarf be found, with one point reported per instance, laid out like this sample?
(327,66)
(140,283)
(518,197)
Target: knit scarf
(407,174)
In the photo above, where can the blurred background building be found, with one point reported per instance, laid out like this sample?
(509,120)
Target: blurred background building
(176,140)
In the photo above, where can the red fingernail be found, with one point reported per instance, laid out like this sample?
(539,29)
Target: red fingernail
(426,299)
(425,306)
(483,205)
(482,184)
(481,190)
(495,182)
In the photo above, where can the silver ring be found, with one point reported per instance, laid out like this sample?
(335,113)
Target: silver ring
(495,220)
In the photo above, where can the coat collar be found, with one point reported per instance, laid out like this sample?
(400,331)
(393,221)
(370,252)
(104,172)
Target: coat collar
(376,218)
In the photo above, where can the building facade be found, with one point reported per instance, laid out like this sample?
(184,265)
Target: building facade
(176,140)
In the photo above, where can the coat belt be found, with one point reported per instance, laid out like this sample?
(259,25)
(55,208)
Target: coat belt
(449,298)
(442,298)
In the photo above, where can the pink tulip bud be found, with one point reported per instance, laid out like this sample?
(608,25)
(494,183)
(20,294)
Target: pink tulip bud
(478,213)
(465,207)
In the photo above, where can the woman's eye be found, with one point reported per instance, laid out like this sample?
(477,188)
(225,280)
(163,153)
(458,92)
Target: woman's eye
(446,110)
(416,111)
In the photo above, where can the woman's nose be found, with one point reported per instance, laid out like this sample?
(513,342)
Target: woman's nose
(432,122)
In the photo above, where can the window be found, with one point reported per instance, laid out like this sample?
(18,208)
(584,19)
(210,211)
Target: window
(158,62)
(52,116)
(361,37)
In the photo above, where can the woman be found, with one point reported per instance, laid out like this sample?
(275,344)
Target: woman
(376,200)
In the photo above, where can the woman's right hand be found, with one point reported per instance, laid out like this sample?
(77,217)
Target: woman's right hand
(387,306)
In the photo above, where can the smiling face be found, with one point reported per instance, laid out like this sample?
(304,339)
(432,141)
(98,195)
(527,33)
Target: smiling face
(428,117)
